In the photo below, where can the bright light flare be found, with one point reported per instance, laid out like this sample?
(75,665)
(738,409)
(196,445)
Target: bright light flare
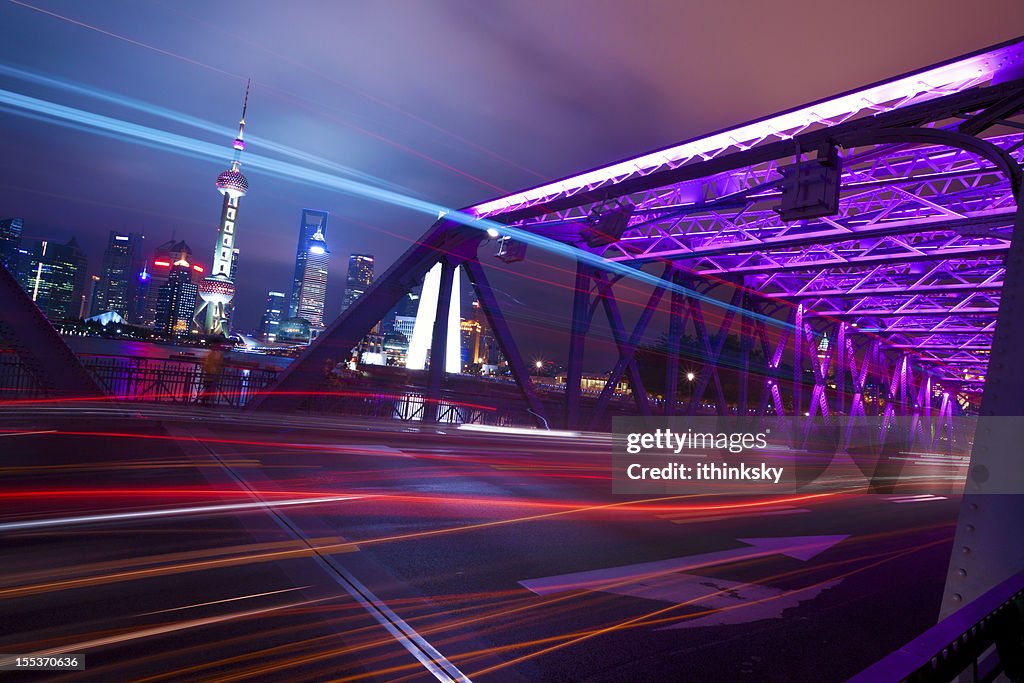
(517,430)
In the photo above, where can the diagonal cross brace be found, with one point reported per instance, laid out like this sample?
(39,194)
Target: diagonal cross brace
(503,335)
(627,347)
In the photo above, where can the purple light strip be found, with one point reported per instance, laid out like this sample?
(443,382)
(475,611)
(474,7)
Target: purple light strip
(932,82)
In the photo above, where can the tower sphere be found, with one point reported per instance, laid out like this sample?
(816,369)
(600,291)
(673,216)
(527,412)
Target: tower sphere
(232,183)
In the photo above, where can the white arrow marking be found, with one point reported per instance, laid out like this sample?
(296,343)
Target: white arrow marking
(614,578)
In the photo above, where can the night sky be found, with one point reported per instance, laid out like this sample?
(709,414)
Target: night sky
(453,101)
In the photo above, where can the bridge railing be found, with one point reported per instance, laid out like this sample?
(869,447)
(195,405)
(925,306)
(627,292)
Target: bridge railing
(133,378)
(183,381)
(981,642)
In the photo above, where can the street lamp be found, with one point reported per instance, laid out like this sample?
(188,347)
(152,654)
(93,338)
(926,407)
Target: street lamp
(690,377)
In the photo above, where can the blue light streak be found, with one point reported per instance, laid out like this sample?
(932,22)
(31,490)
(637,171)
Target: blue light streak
(192,121)
(80,119)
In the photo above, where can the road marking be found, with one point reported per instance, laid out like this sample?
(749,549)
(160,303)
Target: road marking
(713,593)
(917,499)
(798,547)
(415,644)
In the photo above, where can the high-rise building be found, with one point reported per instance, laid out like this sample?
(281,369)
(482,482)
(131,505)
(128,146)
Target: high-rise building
(176,301)
(54,276)
(92,290)
(486,353)
(271,320)
(119,281)
(401,315)
(10,241)
(154,274)
(314,284)
(311,223)
(358,279)
(309,285)
(217,290)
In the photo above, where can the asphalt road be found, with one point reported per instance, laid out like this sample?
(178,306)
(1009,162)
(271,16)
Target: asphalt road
(173,545)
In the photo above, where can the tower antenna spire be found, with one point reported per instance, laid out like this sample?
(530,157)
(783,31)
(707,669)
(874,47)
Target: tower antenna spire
(239,144)
(245,102)
(217,290)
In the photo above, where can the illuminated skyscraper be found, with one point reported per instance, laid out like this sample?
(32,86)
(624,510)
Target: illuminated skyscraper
(313,286)
(156,272)
(310,224)
(358,279)
(217,290)
(176,301)
(118,284)
(271,320)
(54,276)
(10,240)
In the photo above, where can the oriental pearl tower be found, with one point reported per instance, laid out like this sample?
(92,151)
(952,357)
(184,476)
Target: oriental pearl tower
(218,289)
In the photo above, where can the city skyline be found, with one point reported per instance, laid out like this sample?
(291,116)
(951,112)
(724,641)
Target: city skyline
(384,120)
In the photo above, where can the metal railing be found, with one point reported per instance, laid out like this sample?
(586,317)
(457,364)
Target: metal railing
(132,378)
(183,381)
(981,642)
(410,404)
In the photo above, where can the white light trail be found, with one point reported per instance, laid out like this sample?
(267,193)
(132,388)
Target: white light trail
(516,430)
(169,512)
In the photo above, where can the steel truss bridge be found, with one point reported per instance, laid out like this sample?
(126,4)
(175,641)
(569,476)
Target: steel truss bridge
(904,275)
(885,219)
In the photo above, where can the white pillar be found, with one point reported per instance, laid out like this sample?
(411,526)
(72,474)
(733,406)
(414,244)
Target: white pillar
(423,328)
(453,349)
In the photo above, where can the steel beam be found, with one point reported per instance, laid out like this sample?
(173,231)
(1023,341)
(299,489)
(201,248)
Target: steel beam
(23,327)
(581,315)
(676,327)
(506,342)
(989,547)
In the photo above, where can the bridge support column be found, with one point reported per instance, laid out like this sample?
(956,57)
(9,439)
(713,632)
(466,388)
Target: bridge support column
(676,325)
(989,547)
(581,315)
(503,335)
(439,342)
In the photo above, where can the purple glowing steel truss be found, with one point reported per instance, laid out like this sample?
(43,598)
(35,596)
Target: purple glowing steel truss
(904,278)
